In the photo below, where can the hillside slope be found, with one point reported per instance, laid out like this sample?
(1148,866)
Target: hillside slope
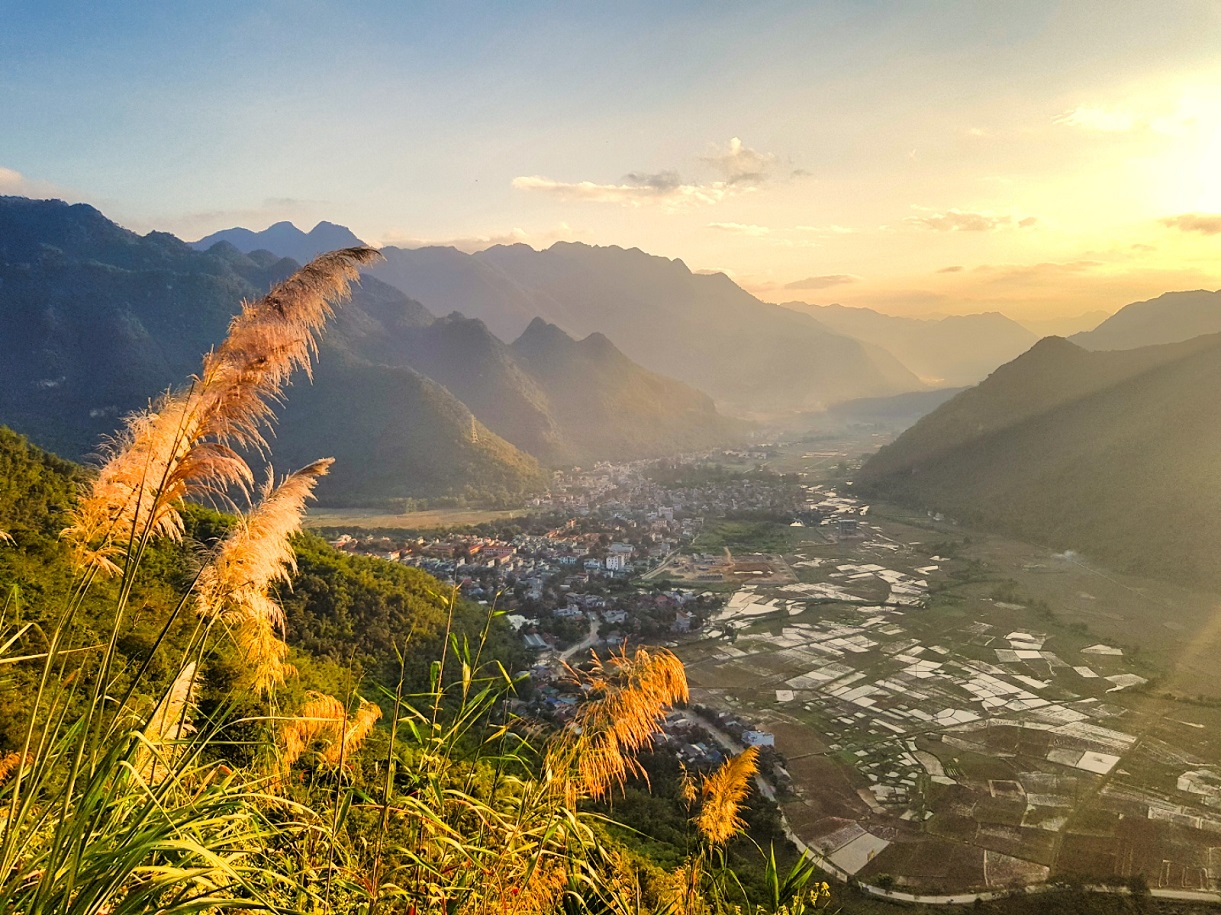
(1113,454)
(608,405)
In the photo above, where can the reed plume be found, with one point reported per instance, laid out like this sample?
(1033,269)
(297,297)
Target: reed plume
(723,793)
(357,728)
(633,693)
(6,537)
(324,717)
(169,724)
(185,442)
(234,586)
(320,714)
(9,763)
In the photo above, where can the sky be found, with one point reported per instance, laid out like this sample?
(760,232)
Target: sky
(1036,158)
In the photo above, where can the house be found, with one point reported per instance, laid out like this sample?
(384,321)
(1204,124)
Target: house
(683,621)
(758,739)
(614,616)
(616,562)
(534,642)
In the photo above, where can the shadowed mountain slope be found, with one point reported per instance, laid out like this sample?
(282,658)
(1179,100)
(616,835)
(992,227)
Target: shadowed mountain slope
(1113,454)
(703,330)
(96,319)
(612,406)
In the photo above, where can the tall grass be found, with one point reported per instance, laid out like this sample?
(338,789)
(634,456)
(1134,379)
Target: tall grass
(126,796)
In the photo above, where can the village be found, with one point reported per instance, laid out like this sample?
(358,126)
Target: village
(583,567)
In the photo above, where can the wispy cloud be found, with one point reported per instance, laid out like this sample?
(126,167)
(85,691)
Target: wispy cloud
(14,183)
(965,221)
(739,169)
(826,230)
(1105,120)
(1026,274)
(823,282)
(955,269)
(741,165)
(636,190)
(739,228)
(1204,223)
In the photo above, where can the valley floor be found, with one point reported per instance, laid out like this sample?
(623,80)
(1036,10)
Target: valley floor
(961,713)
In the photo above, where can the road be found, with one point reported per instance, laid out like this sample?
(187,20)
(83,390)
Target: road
(590,640)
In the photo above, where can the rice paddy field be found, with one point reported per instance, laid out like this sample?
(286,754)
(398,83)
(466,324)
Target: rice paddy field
(958,712)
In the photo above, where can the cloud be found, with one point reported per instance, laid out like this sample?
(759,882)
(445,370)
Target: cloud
(740,228)
(954,269)
(1204,223)
(826,230)
(637,190)
(823,282)
(960,221)
(15,184)
(741,165)
(739,168)
(1104,120)
(1034,274)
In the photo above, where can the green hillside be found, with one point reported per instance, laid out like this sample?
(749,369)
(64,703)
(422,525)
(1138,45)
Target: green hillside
(407,435)
(1112,454)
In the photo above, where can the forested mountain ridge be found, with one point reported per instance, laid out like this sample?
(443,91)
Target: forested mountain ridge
(1112,454)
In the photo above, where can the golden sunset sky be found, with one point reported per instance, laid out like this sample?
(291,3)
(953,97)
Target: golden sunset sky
(1036,158)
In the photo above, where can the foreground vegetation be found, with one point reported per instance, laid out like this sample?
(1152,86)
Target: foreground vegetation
(162,749)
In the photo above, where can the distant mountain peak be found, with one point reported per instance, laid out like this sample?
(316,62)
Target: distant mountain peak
(285,240)
(541,335)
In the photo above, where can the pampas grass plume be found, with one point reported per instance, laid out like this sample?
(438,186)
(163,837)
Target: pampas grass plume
(723,793)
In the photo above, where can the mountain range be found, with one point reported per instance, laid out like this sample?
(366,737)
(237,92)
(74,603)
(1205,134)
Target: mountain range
(97,319)
(704,330)
(1110,453)
(945,352)
(285,240)
(751,357)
